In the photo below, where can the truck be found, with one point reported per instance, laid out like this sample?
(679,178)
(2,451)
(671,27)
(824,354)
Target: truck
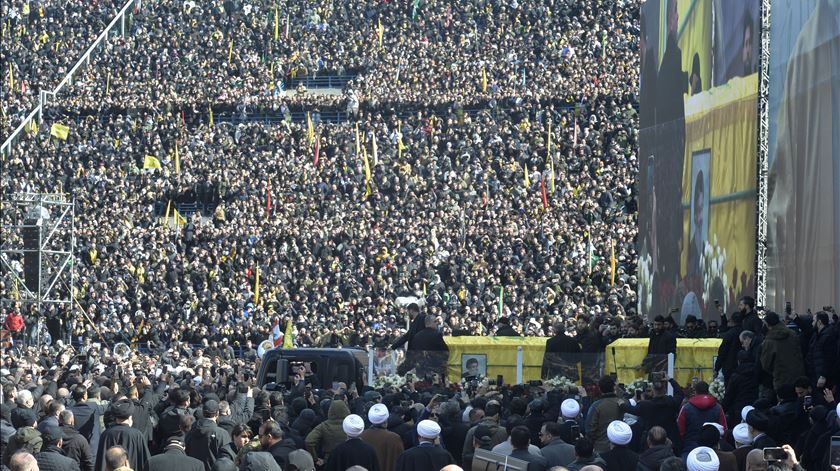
(328,365)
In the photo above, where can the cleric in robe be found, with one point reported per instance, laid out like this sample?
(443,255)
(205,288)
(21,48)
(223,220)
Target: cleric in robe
(803,220)
(426,455)
(121,434)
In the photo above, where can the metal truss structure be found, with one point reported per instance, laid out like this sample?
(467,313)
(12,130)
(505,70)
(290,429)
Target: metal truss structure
(36,250)
(763,155)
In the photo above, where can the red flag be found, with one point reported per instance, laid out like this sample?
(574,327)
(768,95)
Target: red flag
(544,196)
(268,201)
(317,151)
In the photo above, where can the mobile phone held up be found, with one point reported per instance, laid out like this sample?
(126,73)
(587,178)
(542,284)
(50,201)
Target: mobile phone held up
(775,454)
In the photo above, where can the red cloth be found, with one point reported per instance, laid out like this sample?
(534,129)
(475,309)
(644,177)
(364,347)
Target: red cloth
(14,322)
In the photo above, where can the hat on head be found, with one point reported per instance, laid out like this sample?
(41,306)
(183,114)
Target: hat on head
(122,409)
(483,432)
(741,433)
(703,458)
(52,434)
(758,420)
(428,429)
(378,414)
(23,417)
(746,410)
(302,460)
(353,425)
(210,407)
(570,408)
(619,433)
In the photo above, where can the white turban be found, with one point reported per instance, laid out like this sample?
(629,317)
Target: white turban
(741,433)
(619,433)
(570,408)
(428,429)
(716,425)
(378,414)
(353,425)
(703,459)
(746,410)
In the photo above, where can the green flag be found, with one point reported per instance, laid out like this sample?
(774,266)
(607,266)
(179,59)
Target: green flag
(414,10)
(501,299)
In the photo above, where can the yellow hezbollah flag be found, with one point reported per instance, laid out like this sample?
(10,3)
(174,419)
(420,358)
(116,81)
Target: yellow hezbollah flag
(33,127)
(59,131)
(150,161)
(310,131)
(367,165)
(276,23)
(484,80)
(210,115)
(288,342)
(612,263)
(257,288)
(177,159)
(527,177)
(380,32)
(180,220)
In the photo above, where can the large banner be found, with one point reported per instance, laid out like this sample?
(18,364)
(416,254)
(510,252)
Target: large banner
(804,140)
(698,141)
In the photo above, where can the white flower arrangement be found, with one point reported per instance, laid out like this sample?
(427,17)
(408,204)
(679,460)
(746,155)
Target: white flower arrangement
(637,385)
(563,384)
(481,380)
(382,382)
(717,389)
(645,278)
(713,266)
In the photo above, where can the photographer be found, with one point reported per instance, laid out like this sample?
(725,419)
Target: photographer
(661,410)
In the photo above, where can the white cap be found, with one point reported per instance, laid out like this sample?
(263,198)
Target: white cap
(619,433)
(741,433)
(428,429)
(746,410)
(353,425)
(378,414)
(703,458)
(570,408)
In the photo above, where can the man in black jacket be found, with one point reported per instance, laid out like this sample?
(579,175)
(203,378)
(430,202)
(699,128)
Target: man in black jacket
(503,328)
(51,457)
(272,441)
(751,320)
(417,324)
(662,410)
(121,434)
(560,350)
(662,342)
(74,444)
(205,440)
(727,359)
(742,389)
(174,458)
(821,358)
(427,351)
(169,424)
(659,449)
(87,416)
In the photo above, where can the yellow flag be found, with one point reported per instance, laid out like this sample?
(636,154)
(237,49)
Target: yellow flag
(612,263)
(180,220)
(166,217)
(210,115)
(367,165)
(276,23)
(150,161)
(527,177)
(230,52)
(177,159)
(33,127)
(288,342)
(551,182)
(484,80)
(400,145)
(257,288)
(310,130)
(380,32)
(59,131)
(549,138)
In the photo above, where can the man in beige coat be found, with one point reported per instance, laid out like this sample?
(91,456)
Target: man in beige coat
(388,445)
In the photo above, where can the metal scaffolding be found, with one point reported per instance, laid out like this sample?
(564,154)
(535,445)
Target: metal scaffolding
(763,156)
(36,252)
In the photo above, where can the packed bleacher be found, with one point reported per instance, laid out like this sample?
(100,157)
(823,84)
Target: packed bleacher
(486,175)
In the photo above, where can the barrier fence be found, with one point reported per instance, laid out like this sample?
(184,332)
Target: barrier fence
(116,27)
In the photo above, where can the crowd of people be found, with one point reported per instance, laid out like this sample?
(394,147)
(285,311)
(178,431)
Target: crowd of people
(486,180)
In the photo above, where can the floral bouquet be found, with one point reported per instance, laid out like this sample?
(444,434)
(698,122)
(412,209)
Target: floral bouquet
(717,389)
(382,382)
(637,385)
(562,384)
(712,265)
(645,276)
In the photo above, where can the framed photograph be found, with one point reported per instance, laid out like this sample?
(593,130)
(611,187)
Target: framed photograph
(699,209)
(473,365)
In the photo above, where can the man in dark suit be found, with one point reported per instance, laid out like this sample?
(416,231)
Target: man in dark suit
(503,328)
(425,455)
(727,359)
(74,444)
(520,438)
(174,456)
(560,350)
(662,342)
(122,434)
(427,351)
(417,323)
(87,416)
(52,456)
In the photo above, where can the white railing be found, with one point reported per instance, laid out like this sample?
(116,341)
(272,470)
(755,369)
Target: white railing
(118,22)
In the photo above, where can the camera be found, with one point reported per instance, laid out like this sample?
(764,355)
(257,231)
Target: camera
(775,454)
